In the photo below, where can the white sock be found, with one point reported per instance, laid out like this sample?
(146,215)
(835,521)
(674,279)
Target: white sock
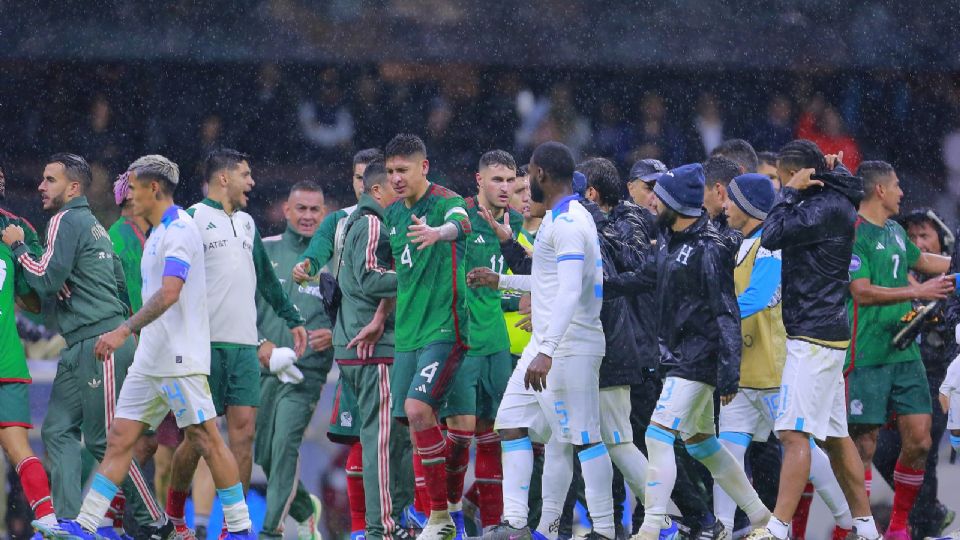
(778,528)
(598,488)
(661,476)
(866,527)
(729,474)
(517,459)
(632,464)
(235,512)
(825,482)
(49,519)
(557,477)
(723,506)
(97,502)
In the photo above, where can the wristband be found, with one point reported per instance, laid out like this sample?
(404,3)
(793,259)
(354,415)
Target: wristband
(261,342)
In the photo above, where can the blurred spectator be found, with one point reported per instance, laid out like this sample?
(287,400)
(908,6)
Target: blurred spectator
(707,128)
(564,123)
(611,138)
(325,122)
(828,132)
(951,161)
(776,128)
(654,137)
(265,117)
(368,105)
(768,167)
(97,139)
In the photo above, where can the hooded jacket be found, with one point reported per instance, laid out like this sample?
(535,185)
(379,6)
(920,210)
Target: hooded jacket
(814,230)
(697,314)
(629,325)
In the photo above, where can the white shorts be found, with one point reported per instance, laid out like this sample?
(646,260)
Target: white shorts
(615,425)
(953,413)
(568,409)
(148,399)
(685,407)
(812,393)
(752,411)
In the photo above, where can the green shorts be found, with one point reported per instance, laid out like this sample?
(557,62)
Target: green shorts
(874,392)
(15,405)
(344,419)
(478,386)
(234,377)
(424,374)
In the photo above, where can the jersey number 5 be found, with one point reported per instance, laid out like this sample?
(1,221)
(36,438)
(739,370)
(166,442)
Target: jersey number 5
(405,257)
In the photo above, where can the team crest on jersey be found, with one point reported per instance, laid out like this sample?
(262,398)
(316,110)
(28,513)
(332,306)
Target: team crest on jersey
(684,254)
(393,231)
(346,419)
(246,226)
(855,263)
(900,243)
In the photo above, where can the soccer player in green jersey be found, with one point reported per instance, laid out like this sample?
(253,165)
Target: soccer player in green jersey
(427,227)
(883,379)
(475,393)
(128,235)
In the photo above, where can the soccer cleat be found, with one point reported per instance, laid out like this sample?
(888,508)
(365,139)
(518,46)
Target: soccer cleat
(714,532)
(410,519)
(241,535)
(761,534)
(440,531)
(65,529)
(201,532)
(310,529)
(457,517)
(505,531)
(358,535)
(167,531)
(955,535)
(670,533)
(183,532)
(896,535)
(594,535)
(854,535)
(108,532)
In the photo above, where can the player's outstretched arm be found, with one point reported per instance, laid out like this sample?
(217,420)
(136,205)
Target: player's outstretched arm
(320,248)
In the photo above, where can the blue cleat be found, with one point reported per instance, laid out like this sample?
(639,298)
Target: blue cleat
(65,529)
(670,533)
(109,533)
(457,517)
(358,535)
(411,519)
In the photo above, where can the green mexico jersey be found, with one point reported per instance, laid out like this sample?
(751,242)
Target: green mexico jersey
(430,282)
(13,363)
(488,331)
(128,243)
(883,255)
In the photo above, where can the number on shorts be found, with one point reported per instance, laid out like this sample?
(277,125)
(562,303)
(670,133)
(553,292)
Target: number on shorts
(560,408)
(429,371)
(405,257)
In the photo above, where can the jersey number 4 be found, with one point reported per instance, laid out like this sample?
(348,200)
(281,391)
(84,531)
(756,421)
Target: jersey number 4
(405,257)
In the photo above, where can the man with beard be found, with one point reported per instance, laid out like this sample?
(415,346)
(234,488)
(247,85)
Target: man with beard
(700,342)
(80,267)
(812,223)
(554,391)
(237,269)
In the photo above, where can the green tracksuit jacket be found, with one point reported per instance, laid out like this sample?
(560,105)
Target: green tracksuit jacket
(365,278)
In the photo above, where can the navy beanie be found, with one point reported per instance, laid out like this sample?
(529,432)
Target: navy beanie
(681,189)
(753,193)
(579,183)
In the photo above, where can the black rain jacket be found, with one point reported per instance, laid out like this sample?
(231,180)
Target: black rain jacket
(697,313)
(814,230)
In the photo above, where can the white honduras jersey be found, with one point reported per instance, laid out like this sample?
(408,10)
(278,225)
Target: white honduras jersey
(231,276)
(568,233)
(178,342)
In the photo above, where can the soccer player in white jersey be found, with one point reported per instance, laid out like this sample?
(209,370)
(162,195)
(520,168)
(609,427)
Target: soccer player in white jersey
(169,371)
(237,268)
(555,389)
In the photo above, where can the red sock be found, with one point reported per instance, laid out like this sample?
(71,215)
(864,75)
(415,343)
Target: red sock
(802,513)
(840,534)
(36,486)
(868,479)
(421,499)
(430,445)
(489,473)
(458,457)
(906,485)
(355,493)
(176,501)
(118,506)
